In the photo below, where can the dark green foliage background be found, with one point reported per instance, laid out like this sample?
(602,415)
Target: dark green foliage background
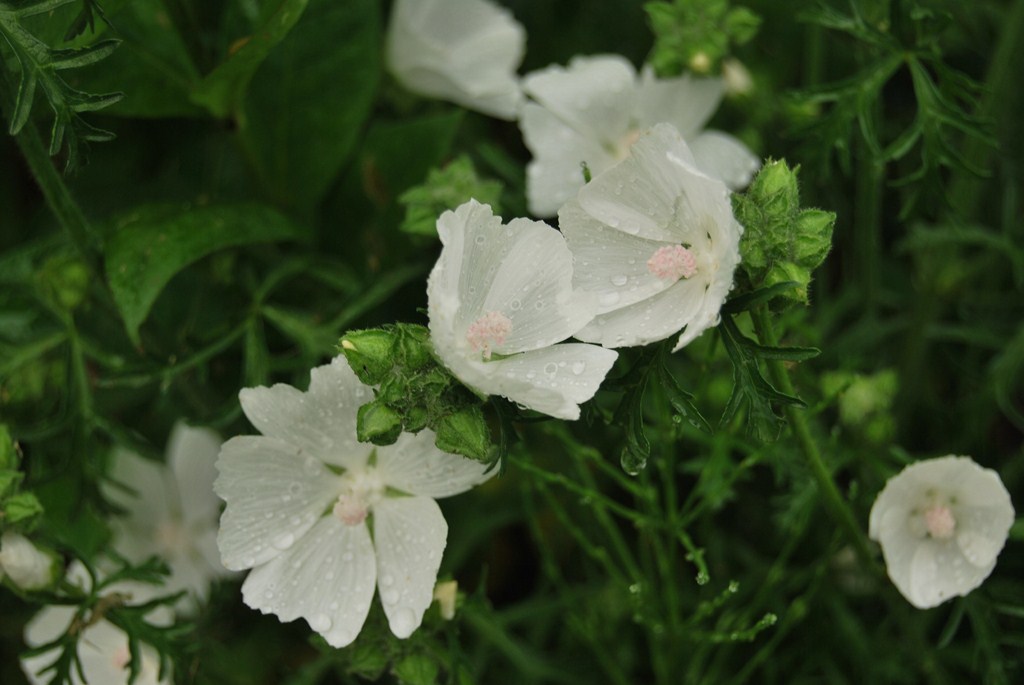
(246,216)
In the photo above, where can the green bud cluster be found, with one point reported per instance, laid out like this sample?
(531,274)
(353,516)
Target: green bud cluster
(412,391)
(781,242)
(64,281)
(695,35)
(446,188)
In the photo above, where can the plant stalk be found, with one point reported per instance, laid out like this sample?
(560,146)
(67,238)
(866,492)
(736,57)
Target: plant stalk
(834,501)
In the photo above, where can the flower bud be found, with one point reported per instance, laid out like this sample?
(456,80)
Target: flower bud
(378,423)
(27,566)
(464,432)
(370,353)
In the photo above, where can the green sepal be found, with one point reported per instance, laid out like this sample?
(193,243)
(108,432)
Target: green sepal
(378,423)
(464,432)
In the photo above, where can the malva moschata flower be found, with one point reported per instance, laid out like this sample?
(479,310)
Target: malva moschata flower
(655,242)
(593,111)
(171,511)
(103,649)
(941,524)
(464,51)
(301,499)
(500,297)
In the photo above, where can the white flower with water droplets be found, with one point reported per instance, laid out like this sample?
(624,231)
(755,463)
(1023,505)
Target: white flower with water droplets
(464,51)
(655,241)
(103,649)
(594,110)
(172,511)
(300,499)
(500,296)
(941,523)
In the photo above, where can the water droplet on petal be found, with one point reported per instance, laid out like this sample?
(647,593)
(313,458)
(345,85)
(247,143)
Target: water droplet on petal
(608,299)
(578,368)
(551,368)
(386,580)
(619,280)
(389,597)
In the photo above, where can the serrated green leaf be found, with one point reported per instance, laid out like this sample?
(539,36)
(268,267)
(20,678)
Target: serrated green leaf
(80,57)
(222,91)
(305,107)
(150,245)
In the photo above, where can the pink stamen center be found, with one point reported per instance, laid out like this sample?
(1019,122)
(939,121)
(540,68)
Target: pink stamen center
(487,332)
(351,509)
(672,262)
(939,521)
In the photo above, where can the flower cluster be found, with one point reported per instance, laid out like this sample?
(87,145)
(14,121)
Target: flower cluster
(589,113)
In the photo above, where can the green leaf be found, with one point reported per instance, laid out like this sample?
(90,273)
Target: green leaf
(150,245)
(750,388)
(222,91)
(307,103)
(152,67)
(417,669)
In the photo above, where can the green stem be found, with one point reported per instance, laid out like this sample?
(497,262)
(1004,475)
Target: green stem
(56,193)
(1000,94)
(867,225)
(834,502)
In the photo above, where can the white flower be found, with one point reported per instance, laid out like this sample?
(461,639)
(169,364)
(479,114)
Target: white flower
(941,523)
(102,646)
(26,565)
(464,51)
(172,512)
(299,499)
(593,111)
(499,298)
(655,241)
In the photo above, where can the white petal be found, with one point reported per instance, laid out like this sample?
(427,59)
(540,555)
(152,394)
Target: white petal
(640,194)
(466,51)
(685,102)
(409,534)
(939,572)
(321,421)
(724,157)
(981,532)
(274,494)
(152,496)
(607,262)
(191,454)
(594,95)
(325,578)
(650,320)
(533,288)
(416,466)
(556,174)
(553,380)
